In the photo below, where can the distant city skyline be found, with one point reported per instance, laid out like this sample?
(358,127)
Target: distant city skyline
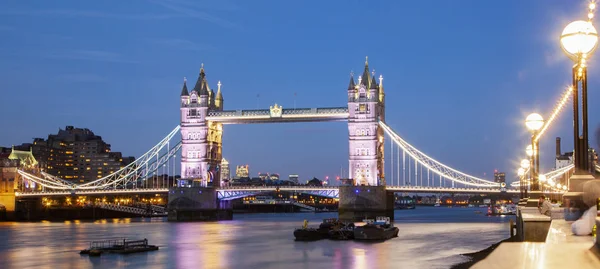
(456,87)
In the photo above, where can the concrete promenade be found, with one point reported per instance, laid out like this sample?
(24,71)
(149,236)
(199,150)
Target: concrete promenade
(560,249)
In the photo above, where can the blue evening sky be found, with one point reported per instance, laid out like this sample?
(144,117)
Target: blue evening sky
(460,76)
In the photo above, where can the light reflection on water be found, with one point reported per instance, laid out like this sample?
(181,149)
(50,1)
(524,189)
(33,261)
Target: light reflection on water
(429,238)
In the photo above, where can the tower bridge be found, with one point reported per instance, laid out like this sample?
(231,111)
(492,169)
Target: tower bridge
(198,141)
(203,116)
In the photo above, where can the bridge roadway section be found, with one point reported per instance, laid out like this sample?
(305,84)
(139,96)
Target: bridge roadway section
(230,193)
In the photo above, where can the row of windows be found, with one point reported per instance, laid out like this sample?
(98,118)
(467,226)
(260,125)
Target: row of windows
(361,152)
(363,132)
(192,154)
(194,136)
(366,173)
(362,165)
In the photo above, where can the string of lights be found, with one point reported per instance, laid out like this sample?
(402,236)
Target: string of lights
(557,109)
(591,11)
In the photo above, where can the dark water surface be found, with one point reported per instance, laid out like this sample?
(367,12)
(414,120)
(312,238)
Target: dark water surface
(429,238)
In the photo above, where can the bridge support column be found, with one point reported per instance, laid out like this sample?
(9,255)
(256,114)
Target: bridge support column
(197,204)
(361,202)
(7,206)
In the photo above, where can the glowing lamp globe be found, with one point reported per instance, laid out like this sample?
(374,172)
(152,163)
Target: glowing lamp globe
(564,187)
(579,38)
(525,164)
(542,178)
(529,150)
(534,122)
(521,172)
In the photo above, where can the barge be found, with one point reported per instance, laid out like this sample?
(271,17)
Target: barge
(379,229)
(326,230)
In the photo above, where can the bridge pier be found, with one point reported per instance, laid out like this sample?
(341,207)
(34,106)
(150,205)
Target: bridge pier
(197,204)
(362,202)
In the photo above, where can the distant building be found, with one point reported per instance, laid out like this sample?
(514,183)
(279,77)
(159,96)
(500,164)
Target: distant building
(293,178)
(562,160)
(314,182)
(242,171)
(76,154)
(225,170)
(593,157)
(499,177)
(268,176)
(263,176)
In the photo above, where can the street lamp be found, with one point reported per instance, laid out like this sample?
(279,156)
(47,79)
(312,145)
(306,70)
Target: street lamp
(534,122)
(579,40)
(529,150)
(525,164)
(542,178)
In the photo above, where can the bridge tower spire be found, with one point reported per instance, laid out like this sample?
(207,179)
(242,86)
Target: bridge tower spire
(185,95)
(351,88)
(219,99)
(366,78)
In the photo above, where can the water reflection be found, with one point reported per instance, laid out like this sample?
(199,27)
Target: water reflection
(250,241)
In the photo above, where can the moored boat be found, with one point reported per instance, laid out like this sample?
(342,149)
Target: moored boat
(379,229)
(322,232)
(311,234)
(307,234)
(343,231)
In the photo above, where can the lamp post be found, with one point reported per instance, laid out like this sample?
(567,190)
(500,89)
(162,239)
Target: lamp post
(530,152)
(524,184)
(521,174)
(579,40)
(534,122)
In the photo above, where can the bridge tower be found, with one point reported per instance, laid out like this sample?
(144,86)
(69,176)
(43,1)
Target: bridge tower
(201,150)
(366,145)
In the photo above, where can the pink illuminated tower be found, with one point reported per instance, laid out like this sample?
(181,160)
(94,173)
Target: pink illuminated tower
(201,139)
(366,107)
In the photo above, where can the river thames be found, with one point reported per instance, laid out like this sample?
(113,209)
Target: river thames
(429,238)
